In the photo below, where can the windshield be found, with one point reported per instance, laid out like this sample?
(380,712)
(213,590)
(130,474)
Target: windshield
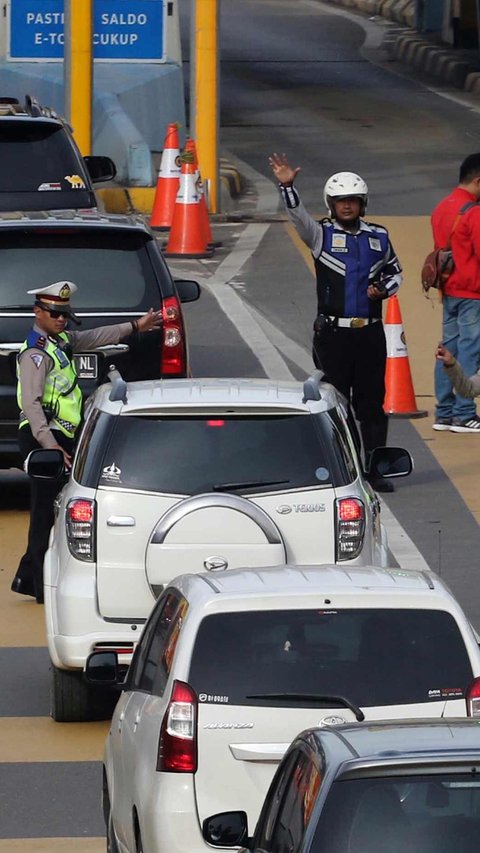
(190,455)
(371,657)
(425,814)
(111,268)
(37,156)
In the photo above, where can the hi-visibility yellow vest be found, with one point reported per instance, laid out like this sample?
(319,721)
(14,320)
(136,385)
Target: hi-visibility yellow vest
(62,398)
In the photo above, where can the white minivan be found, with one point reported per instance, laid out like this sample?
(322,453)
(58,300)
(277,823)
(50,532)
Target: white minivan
(231,667)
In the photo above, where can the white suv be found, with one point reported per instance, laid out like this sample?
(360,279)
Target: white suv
(187,475)
(231,667)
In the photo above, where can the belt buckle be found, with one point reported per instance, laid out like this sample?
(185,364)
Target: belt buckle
(357,322)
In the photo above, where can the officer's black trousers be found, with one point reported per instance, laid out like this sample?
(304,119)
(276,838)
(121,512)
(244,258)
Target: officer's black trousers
(354,361)
(42,496)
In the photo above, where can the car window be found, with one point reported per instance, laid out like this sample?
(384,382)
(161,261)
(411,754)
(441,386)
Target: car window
(154,659)
(371,656)
(283,823)
(438,813)
(111,268)
(190,455)
(91,447)
(37,155)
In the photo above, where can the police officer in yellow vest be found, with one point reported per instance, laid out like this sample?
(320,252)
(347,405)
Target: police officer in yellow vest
(50,403)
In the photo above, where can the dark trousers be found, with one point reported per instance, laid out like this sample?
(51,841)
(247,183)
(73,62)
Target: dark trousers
(354,361)
(42,496)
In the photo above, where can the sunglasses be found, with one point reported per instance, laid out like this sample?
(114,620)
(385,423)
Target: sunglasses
(56,314)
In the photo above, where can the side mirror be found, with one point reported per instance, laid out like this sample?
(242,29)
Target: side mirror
(227,829)
(45,464)
(100,168)
(390,462)
(187,289)
(101,669)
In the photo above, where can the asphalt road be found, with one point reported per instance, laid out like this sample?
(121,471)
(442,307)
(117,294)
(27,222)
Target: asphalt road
(296,77)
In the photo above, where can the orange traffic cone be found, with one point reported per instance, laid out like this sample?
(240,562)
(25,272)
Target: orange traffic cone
(168,181)
(191,148)
(187,239)
(399,395)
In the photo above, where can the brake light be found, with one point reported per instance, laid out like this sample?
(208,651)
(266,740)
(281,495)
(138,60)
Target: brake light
(350,527)
(472,698)
(80,527)
(177,745)
(173,349)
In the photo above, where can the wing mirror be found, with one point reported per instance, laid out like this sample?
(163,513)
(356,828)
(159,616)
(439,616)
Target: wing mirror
(43,464)
(390,462)
(102,670)
(187,289)
(227,829)
(100,168)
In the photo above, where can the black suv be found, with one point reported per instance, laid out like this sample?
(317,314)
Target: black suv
(41,167)
(120,272)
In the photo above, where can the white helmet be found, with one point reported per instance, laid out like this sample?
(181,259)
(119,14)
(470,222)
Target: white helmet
(344,185)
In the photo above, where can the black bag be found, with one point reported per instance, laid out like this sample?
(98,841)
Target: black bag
(439,264)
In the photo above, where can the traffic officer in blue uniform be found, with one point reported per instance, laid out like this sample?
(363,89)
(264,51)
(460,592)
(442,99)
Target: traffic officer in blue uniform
(356,270)
(50,403)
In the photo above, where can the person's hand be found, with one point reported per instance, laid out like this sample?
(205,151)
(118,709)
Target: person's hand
(374,292)
(282,170)
(151,320)
(66,456)
(443,354)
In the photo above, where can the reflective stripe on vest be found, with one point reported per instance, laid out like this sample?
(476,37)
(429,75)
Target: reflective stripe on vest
(61,394)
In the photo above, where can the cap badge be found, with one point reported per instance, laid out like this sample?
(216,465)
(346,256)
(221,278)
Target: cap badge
(65,291)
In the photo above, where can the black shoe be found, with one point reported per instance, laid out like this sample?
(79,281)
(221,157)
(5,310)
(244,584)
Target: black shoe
(380,484)
(23,587)
(39,596)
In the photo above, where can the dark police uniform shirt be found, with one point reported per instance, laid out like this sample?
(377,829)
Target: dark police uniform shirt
(345,263)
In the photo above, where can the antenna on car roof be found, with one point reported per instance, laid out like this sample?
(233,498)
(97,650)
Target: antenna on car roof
(311,386)
(119,386)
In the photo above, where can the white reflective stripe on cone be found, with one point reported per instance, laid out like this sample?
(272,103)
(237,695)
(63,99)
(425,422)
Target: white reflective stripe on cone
(170,164)
(396,343)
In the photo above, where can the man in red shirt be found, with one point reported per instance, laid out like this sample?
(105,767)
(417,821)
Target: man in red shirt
(461,295)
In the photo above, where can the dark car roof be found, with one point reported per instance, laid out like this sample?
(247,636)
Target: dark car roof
(75,218)
(391,742)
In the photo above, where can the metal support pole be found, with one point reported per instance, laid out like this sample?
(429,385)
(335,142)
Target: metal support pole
(78,70)
(204,88)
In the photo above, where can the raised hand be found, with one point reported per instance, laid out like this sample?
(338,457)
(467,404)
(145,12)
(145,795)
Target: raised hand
(280,167)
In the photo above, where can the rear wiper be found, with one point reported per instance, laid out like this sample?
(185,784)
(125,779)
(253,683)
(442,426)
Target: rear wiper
(227,487)
(312,697)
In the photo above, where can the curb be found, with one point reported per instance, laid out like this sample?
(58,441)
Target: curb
(140,199)
(455,66)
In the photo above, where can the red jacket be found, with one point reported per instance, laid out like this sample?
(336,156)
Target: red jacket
(464,282)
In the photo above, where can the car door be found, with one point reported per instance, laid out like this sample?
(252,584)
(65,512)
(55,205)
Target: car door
(137,746)
(290,802)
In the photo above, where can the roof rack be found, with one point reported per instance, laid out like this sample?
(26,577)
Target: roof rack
(311,386)
(11,106)
(119,386)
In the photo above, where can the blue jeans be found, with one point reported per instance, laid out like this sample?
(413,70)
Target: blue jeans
(461,335)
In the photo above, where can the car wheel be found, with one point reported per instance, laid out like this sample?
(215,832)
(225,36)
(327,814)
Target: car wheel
(74,701)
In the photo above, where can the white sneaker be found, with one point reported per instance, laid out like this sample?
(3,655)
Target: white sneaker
(470,425)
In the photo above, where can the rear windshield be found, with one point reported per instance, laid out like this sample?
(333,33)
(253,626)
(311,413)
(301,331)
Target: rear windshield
(111,269)
(190,455)
(37,157)
(428,814)
(372,657)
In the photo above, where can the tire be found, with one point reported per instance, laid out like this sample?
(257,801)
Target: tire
(74,701)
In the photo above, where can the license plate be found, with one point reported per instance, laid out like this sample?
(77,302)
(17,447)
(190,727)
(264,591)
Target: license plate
(87,365)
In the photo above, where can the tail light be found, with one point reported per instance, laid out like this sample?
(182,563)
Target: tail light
(173,349)
(350,527)
(472,698)
(177,745)
(80,524)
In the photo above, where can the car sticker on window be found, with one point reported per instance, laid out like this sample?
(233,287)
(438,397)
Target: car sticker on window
(76,182)
(111,472)
(213,697)
(446,693)
(49,186)
(322,474)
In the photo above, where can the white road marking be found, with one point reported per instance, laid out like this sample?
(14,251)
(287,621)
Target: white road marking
(404,550)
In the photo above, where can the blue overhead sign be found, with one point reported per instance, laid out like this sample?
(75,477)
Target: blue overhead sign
(123,30)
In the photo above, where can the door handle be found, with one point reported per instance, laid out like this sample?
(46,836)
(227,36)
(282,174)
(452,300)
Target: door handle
(137,720)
